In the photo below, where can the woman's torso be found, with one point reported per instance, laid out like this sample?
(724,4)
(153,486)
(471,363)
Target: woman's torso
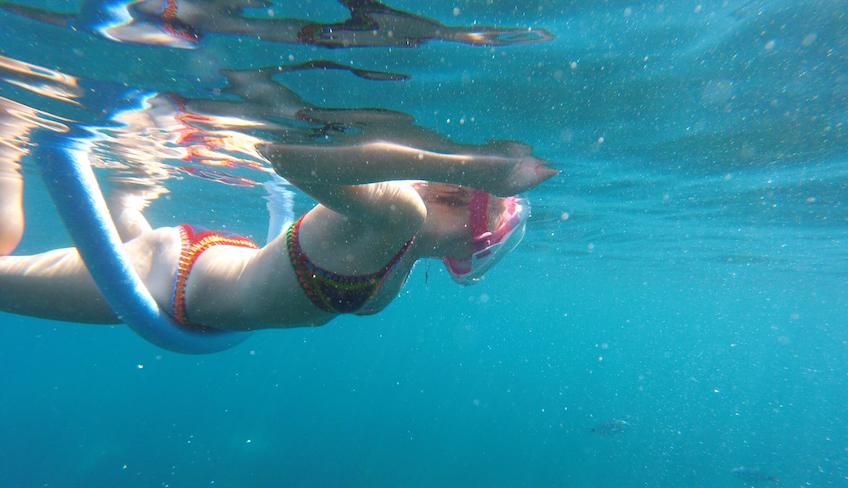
(232,287)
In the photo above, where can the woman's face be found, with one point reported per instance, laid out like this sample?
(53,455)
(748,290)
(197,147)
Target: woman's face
(449,216)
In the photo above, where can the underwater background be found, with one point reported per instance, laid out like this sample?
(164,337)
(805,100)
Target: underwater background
(676,315)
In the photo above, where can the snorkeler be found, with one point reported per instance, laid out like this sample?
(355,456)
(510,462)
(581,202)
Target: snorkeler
(350,254)
(184,23)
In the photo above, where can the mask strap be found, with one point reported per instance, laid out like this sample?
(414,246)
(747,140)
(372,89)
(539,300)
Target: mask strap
(479,217)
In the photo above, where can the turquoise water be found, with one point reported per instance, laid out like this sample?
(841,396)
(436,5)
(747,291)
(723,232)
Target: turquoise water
(676,312)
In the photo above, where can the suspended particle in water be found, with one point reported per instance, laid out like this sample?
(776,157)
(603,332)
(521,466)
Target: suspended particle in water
(809,39)
(770,45)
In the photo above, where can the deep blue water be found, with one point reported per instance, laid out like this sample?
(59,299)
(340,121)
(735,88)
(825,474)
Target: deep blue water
(677,310)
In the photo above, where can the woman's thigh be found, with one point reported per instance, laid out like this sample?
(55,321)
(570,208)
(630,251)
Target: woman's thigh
(57,285)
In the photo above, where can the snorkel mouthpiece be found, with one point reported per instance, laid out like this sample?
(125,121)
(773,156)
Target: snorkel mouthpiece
(490,246)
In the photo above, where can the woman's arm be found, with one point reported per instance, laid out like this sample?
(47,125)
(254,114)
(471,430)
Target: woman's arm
(385,204)
(359,180)
(501,168)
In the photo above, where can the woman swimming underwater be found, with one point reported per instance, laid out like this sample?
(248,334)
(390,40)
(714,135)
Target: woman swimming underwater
(382,206)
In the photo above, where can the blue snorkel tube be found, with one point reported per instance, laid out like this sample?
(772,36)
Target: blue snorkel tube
(70,180)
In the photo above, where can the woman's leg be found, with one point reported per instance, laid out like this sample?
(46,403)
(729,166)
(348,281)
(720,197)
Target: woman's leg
(57,285)
(280,205)
(53,285)
(11,203)
(14,135)
(130,196)
(127,212)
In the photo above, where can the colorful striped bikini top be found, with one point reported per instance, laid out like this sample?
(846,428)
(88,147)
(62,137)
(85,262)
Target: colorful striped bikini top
(333,292)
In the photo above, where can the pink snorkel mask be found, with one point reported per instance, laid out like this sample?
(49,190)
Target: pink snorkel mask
(489,246)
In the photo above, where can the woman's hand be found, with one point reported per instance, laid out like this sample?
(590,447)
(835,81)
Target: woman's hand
(523,174)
